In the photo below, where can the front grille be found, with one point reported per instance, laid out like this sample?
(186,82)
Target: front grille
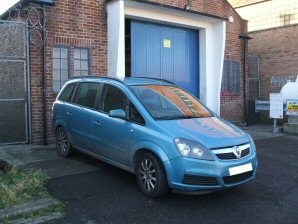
(226,156)
(228,153)
(245,152)
(237,178)
(200,180)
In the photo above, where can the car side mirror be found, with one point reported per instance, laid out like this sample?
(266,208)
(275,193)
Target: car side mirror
(118,113)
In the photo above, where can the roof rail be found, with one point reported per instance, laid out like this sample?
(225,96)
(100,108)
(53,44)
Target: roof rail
(96,77)
(158,79)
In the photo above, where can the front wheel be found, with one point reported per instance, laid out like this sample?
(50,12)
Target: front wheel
(151,176)
(62,143)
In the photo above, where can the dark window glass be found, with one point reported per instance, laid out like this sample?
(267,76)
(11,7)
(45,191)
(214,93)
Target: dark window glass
(231,77)
(113,98)
(67,92)
(253,77)
(134,115)
(87,94)
(253,66)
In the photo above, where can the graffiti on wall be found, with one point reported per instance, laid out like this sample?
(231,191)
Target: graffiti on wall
(279,81)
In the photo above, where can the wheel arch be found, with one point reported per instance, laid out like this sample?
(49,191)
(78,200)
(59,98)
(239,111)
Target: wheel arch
(163,182)
(57,125)
(149,147)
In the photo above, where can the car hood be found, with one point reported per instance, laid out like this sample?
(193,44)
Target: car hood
(212,132)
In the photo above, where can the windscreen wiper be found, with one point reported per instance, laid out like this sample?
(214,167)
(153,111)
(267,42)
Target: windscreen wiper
(175,117)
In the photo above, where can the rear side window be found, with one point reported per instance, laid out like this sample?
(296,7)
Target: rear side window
(87,94)
(67,92)
(113,98)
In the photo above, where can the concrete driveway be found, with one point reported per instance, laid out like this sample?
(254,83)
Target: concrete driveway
(104,194)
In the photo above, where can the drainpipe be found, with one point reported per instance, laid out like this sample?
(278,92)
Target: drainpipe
(245,38)
(44,86)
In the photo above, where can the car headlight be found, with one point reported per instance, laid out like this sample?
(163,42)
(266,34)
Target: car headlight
(192,149)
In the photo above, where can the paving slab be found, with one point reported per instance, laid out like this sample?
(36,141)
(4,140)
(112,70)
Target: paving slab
(78,163)
(38,220)
(21,155)
(259,132)
(27,207)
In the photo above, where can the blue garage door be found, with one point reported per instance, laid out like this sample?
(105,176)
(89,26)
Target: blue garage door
(159,51)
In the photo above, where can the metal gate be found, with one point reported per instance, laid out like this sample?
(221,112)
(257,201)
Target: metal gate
(13,82)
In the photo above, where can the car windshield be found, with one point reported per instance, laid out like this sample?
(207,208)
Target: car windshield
(169,102)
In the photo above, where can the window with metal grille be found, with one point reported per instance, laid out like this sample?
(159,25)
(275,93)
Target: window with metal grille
(231,77)
(286,19)
(60,67)
(81,61)
(253,77)
(253,66)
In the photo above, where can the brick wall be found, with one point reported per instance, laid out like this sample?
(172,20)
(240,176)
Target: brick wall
(73,24)
(278,54)
(232,104)
(84,24)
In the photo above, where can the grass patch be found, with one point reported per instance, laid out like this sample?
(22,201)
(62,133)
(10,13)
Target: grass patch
(21,186)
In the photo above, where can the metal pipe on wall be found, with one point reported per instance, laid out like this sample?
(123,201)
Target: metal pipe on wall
(45,117)
(245,38)
(29,115)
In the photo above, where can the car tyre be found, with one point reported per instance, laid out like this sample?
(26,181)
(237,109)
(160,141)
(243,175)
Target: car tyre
(151,177)
(62,143)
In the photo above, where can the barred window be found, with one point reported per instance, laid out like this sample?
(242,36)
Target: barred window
(231,76)
(286,19)
(253,66)
(253,77)
(60,67)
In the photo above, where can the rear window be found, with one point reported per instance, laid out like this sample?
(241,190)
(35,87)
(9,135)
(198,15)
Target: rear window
(67,92)
(87,94)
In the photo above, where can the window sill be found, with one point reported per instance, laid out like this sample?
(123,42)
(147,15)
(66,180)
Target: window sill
(230,94)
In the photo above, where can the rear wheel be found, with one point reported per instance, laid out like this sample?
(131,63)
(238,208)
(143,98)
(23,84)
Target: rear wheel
(151,176)
(62,143)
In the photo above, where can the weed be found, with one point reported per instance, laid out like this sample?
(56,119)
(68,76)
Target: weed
(20,186)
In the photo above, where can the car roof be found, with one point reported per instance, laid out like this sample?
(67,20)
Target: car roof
(128,81)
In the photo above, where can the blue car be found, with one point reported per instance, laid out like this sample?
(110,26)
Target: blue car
(154,129)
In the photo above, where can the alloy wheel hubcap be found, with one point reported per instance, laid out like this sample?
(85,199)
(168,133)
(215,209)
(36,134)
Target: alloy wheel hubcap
(147,175)
(62,141)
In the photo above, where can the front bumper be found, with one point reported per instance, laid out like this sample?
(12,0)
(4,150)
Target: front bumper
(186,174)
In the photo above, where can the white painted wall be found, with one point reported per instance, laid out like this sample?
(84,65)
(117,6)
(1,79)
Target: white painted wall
(215,46)
(116,39)
(212,34)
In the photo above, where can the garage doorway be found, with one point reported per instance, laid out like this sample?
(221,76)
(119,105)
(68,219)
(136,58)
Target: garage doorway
(163,52)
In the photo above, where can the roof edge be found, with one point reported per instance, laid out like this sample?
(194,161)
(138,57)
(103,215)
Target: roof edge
(23,3)
(175,8)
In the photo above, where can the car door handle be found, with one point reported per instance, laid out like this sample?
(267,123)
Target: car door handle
(97,123)
(68,114)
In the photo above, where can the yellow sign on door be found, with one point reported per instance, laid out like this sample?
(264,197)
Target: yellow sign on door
(166,43)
